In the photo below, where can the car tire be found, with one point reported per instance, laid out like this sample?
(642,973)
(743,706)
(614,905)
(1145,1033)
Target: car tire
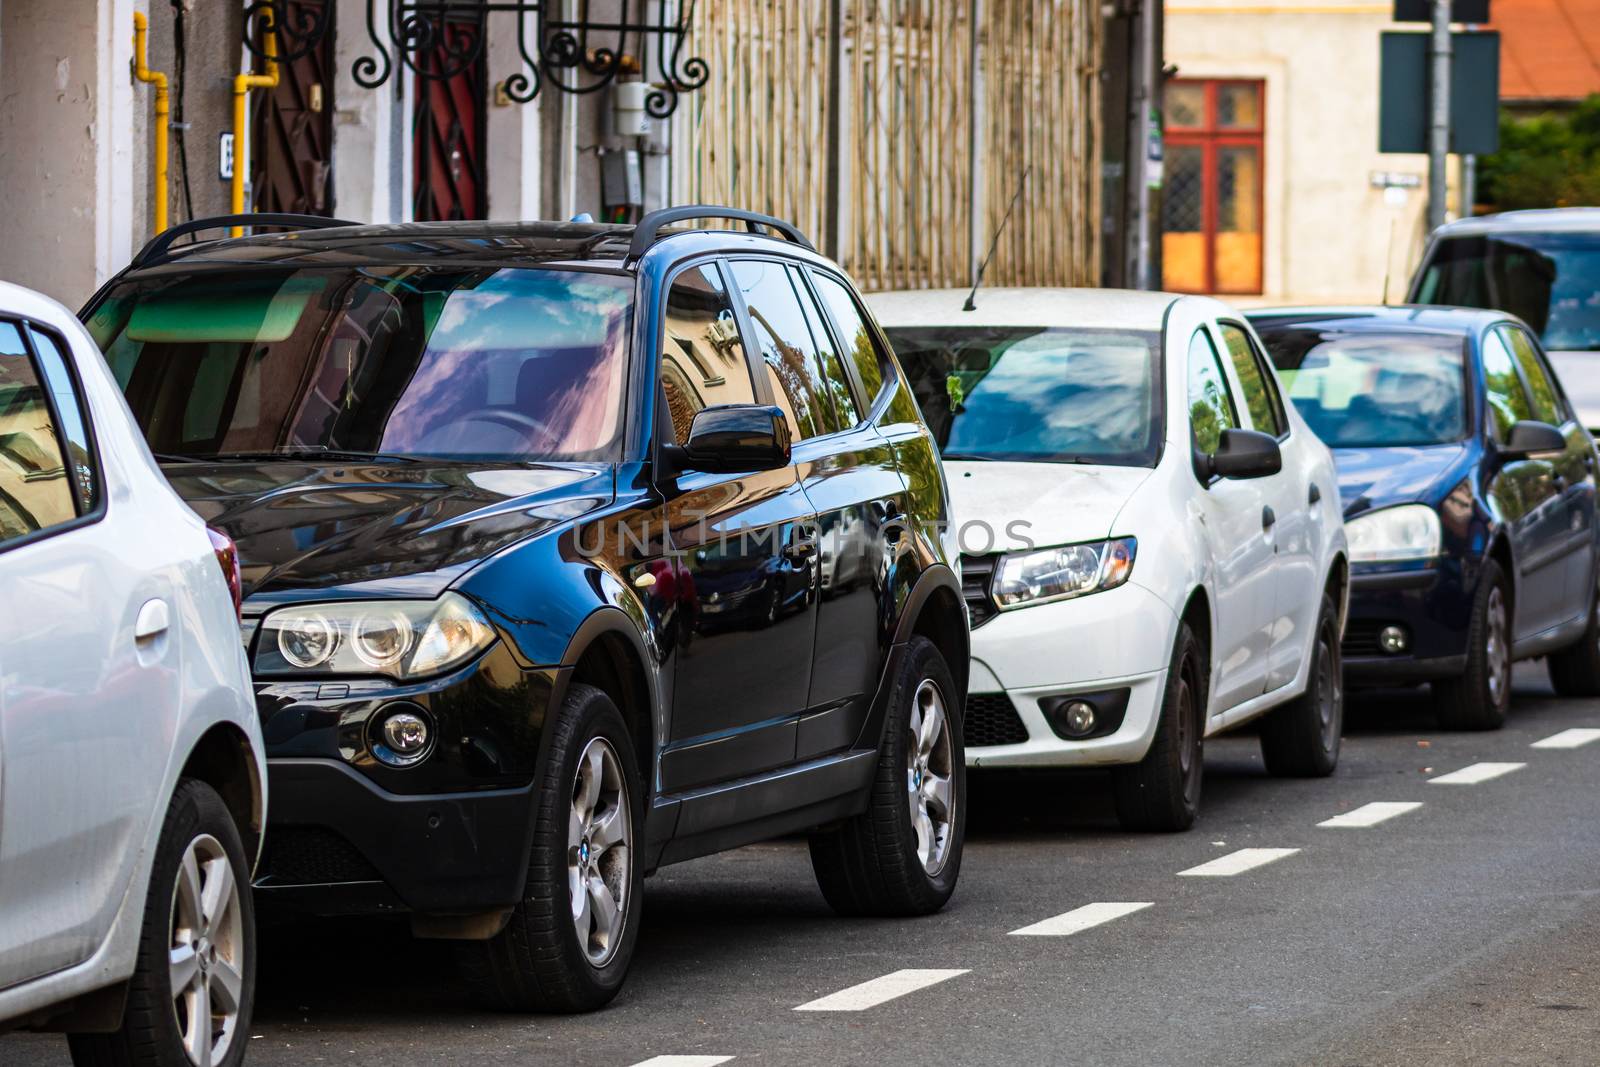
(199,856)
(588,827)
(1161,793)
(902,856)
(1575,671)
(1301,738)
(1480,697)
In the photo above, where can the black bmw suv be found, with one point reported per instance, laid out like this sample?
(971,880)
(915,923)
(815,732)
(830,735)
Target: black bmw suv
(569,551)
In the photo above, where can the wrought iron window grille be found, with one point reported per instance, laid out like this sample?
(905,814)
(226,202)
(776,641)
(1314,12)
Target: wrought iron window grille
(440,39)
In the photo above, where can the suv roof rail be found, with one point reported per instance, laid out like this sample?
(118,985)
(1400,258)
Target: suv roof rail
(162,241)
(647,232)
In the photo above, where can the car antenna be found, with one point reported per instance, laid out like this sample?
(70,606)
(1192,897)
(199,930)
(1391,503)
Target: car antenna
(971,304)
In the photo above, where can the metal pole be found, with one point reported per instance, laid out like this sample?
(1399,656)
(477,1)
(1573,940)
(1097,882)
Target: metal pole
(833,230)
(1469,184)
(1146,79)
(974,174)
(1439,115)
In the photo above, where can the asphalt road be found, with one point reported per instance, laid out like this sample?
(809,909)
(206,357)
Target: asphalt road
(1461,931)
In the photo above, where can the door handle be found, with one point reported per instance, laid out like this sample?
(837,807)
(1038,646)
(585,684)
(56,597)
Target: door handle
(1268,518)
(1314,497)
(154,619)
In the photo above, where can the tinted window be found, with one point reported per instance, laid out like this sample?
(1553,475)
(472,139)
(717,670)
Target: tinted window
(1546,403)
(853,331)
(1260,393)
(457,363)
(1030,393)
(702,358)
(74,426)
(35,490)
(833,372)
(1371,389)
(1508,401)
(1549,280)
(1211,407)
(789,351)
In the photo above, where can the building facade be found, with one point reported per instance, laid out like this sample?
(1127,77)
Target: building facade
(1274,190)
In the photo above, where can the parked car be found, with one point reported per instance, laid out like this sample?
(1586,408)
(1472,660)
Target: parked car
(492,485)
(132,772)
(1468,488)
(1540,266)
(1152,548)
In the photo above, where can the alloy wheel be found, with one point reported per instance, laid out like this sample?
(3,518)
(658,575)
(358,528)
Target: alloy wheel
(1497,649)
(1328,692)
(930,767)
(599,851)
(205,952)
(1189,739)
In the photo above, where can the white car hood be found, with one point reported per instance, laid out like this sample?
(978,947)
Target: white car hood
(1580,377)
(1008,505)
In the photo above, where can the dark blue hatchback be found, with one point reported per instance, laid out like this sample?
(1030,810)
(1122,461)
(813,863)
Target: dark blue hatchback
(1468,489)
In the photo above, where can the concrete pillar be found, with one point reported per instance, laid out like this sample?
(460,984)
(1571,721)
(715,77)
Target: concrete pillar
(66,144)
(512,129)
(366,170)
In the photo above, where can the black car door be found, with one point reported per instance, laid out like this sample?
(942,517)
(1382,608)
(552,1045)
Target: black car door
(851,479)
(739,573)
(1524,491)
(1572,472)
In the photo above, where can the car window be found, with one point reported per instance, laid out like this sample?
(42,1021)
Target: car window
(833,372)
(702,357)
(1211,406)
(787,348)
(468,363)
(1545,279)
(1508,401)
(1546,403)
(35,488)
(1260,392)
(872,361)
(52,353)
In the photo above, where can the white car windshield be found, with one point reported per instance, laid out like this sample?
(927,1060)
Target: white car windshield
(1033,394)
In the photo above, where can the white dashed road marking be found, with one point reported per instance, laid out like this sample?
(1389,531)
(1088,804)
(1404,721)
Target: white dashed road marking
(1079,919)
(1475,773)
(871,994)
(1578,735)
(1371,814)
(683,1061)
(1246,859)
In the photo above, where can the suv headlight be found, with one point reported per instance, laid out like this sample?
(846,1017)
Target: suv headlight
(1024,578)
(1393,535)
(404,639)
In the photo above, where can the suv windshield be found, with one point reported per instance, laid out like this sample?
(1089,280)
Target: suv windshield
(480,364)
(1374,390)
(1549,280)
(1036,394)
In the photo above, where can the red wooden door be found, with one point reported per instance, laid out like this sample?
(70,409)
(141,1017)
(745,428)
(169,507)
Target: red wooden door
(1212,199)
(447,136)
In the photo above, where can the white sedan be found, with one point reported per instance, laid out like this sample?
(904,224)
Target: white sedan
(132,772)
(1151,540)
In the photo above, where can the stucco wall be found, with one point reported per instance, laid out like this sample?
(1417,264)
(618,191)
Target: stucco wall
(1329,235)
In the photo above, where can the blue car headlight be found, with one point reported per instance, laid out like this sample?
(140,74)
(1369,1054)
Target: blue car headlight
(1394,535)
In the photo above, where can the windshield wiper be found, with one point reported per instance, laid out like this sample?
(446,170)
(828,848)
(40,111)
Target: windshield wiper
(962,457)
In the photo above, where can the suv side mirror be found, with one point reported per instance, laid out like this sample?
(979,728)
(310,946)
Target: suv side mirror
(1243,454)
(731,438)
(1532,438)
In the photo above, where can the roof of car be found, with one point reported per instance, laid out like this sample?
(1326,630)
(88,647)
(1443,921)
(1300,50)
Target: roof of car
(477,242)
(1422,318)
(1542,220)
(1082,308)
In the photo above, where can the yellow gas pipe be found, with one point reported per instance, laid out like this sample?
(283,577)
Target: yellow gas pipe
(141,30)
(242,84)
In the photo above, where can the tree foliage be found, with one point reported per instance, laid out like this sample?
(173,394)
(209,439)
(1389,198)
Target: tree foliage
(1550,160)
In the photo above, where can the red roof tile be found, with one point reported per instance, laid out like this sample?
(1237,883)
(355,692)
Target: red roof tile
(1549,49)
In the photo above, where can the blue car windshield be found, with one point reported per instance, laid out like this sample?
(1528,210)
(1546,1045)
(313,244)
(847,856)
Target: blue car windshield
(1034,394)
(1374,390)
(448,363)
(1549,280)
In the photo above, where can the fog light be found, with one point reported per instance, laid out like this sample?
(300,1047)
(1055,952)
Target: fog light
(1079,718)
(404,736)
(1394,639)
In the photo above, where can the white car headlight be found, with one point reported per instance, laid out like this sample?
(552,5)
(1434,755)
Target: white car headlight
(403,639)
(1024,578)
(1393,535)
